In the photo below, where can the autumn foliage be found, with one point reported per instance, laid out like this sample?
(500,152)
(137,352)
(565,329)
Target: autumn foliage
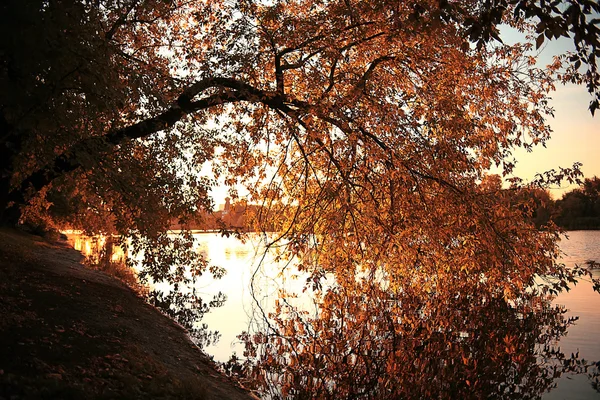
(364,130)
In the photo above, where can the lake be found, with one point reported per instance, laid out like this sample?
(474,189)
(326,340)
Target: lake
(244,261)
(241,263)
(583,302)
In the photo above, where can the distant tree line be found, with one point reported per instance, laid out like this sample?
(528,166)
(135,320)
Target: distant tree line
(576,210)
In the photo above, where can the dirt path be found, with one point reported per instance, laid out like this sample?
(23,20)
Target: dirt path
(68,332)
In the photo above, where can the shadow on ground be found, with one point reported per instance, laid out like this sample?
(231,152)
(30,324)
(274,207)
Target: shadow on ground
(69,332)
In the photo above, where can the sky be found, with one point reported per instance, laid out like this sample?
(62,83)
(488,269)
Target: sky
(575,138)
(576,134)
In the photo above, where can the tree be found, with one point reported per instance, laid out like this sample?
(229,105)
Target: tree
(363,128)
(114,69)
(536,203)
(580,208)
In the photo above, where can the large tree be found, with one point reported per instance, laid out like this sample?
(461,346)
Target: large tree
(80,80)
(364,129)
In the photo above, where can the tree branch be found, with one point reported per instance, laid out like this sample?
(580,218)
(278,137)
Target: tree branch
(185,105)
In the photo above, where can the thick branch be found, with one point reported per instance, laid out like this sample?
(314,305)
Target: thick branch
(185,105)
(360,85)
(331,78)
(279,75)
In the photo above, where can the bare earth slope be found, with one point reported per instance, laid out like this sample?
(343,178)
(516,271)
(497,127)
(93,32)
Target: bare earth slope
(67,332)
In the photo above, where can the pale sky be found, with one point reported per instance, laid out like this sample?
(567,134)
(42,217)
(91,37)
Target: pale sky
(575,137)
(576,134)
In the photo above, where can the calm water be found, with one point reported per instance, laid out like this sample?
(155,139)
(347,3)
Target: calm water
(243,262)
(583,302)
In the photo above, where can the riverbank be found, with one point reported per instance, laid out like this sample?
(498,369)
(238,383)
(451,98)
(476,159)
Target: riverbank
(69,332)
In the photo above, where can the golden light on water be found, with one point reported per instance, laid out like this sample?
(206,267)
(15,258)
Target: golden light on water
(92,247)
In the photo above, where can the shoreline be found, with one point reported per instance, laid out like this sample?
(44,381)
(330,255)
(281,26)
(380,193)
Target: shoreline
(72,332)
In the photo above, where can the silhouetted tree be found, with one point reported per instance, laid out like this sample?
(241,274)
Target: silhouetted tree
(580,208)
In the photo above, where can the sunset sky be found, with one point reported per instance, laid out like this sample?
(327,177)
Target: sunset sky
(576,136)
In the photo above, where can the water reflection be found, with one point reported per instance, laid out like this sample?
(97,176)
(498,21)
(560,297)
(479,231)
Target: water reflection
(581,302)
(363,341)
(465,343)
(366,342)
(97,247)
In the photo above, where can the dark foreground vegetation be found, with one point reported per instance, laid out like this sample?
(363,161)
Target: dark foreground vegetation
(68,332)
